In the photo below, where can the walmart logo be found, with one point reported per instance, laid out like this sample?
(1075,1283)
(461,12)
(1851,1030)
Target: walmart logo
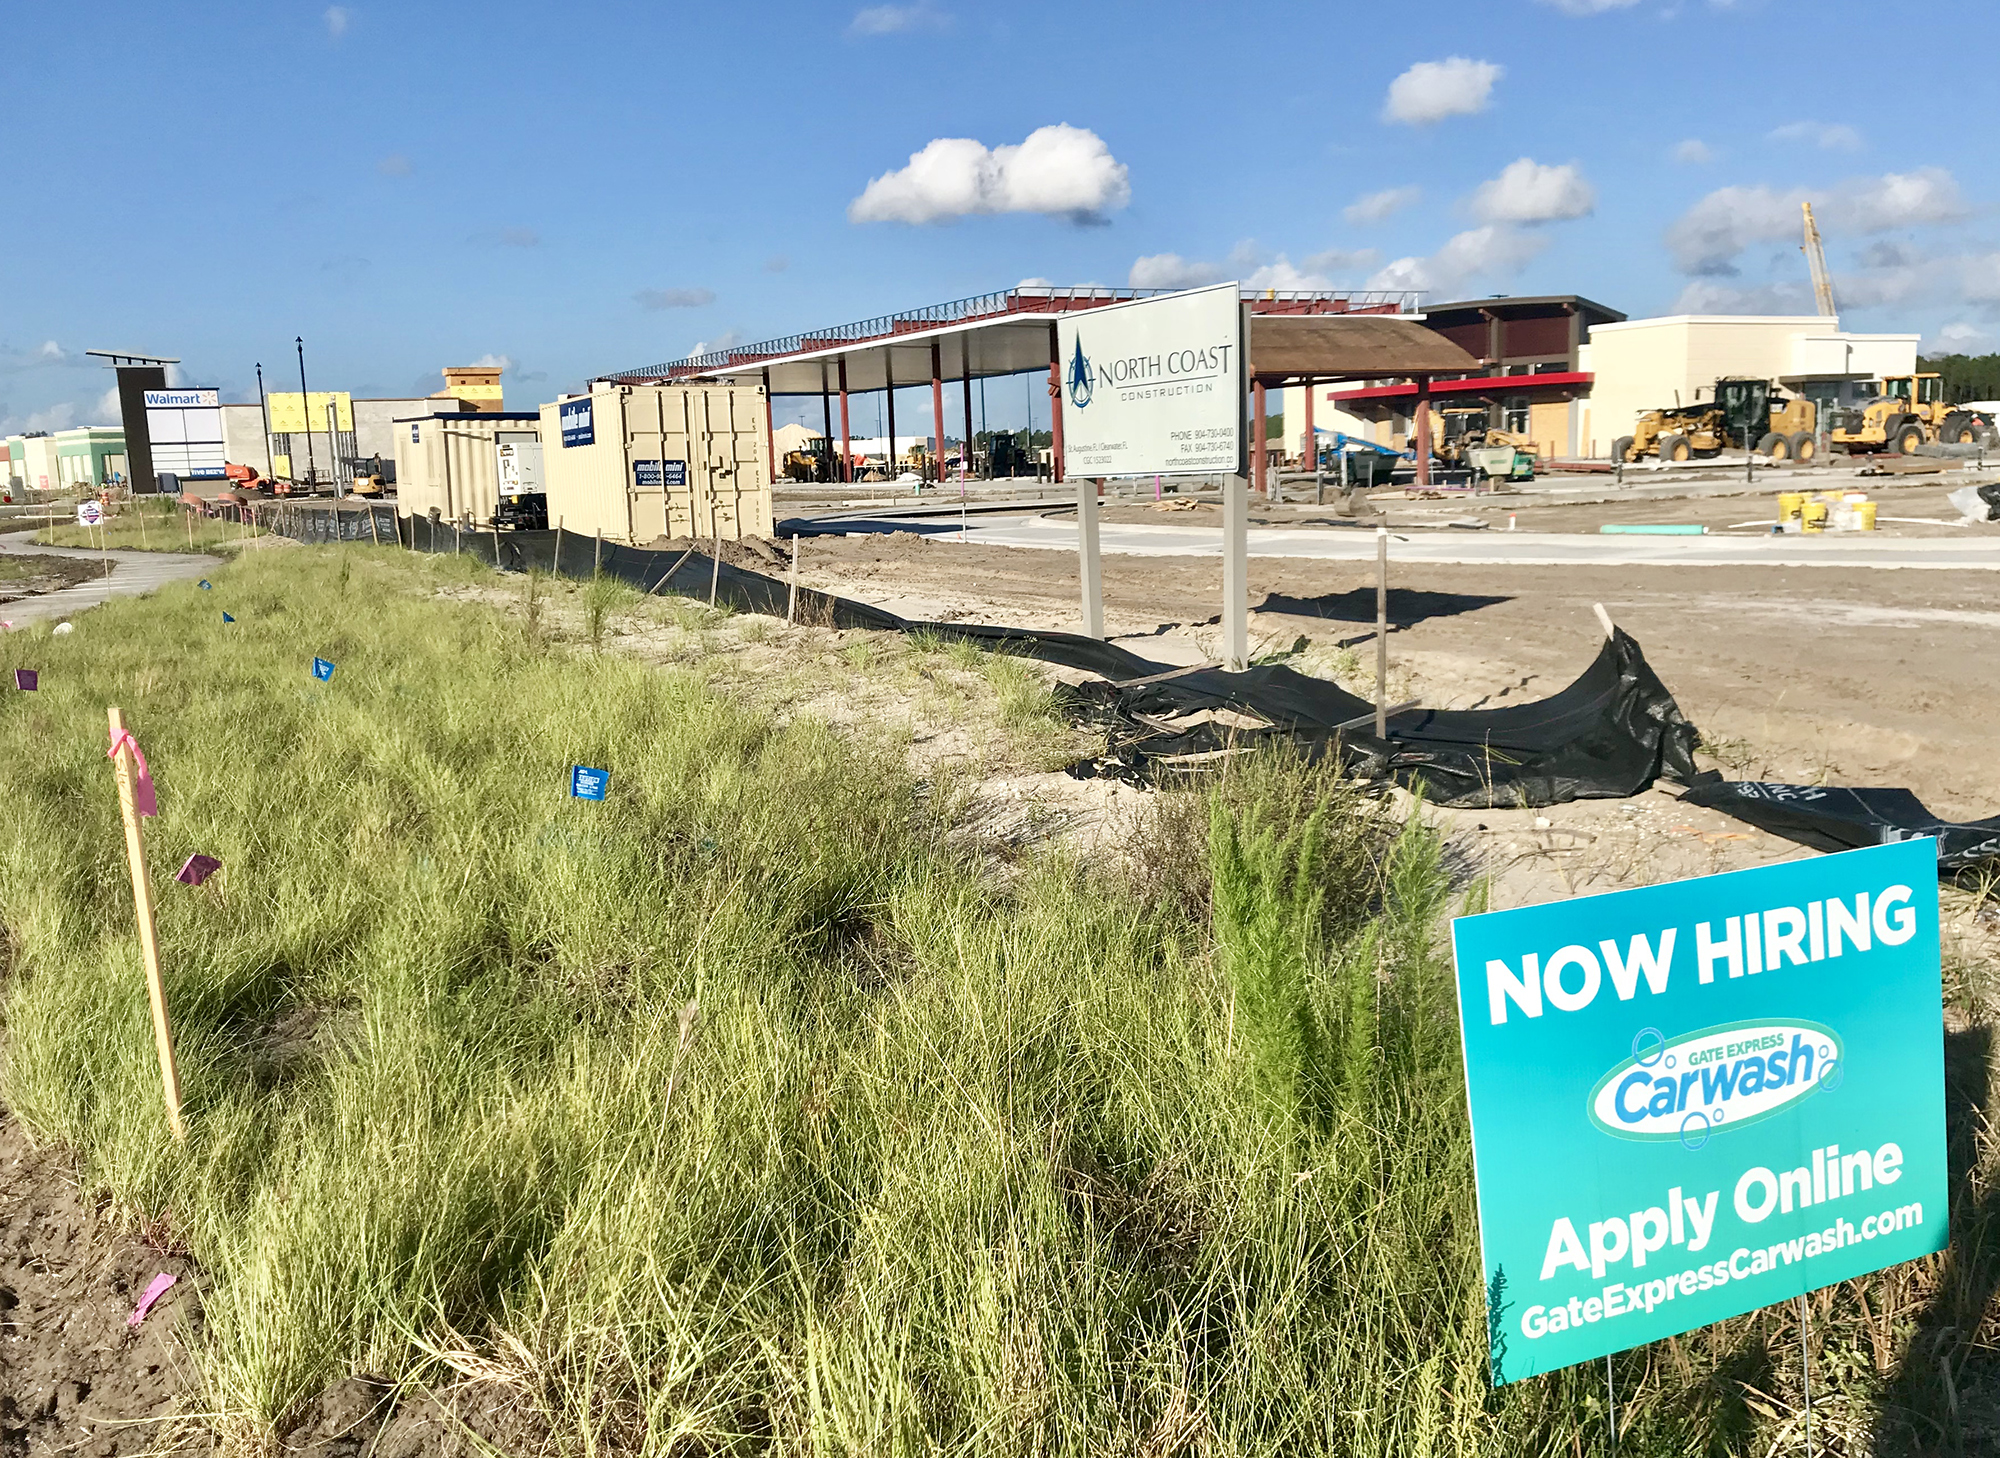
(1082,379)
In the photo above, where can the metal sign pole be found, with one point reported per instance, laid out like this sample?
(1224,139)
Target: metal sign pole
(1236,520)
(1090,568)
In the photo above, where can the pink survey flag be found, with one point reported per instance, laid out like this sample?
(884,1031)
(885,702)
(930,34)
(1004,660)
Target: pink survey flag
(197,869)
(160,1285)
(143,799)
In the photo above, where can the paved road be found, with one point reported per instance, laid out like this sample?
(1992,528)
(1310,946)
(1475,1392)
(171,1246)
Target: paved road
(1977,550)
(132,573)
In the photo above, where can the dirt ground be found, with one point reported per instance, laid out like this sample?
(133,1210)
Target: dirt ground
(27,576)
(1824,675)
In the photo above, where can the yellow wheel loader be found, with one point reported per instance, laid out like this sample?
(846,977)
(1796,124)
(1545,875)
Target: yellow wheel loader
(1909,411)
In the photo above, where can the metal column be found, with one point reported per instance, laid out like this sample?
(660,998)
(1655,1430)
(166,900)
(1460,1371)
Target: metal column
(965,369)
(770,436)
(846,452)
(825,407)
(1423,430)
(1310,449)
(937,412)
(889,388)
(1258,479)
(1055,412)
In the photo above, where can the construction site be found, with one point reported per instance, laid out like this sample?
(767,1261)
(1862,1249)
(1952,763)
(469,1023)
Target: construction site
(1051,870)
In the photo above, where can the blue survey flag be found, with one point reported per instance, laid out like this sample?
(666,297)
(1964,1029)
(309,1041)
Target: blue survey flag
(322,670)
(1693,1100)
(227,619)
(588,784)
(204,584)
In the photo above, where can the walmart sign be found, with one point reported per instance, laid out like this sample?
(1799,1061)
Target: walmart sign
(1154,386)
(1740,1080)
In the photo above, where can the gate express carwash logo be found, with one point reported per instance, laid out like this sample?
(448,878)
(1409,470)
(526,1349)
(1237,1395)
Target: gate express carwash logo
(1740,1078)
(1720,1078)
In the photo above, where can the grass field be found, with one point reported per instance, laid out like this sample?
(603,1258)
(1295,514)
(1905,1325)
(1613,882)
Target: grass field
(763,1108)
(147,526)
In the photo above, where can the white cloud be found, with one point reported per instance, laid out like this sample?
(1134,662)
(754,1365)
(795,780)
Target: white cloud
(394,165)
(1062,171)
(109,410)
(1171,271)
(1430,91)
(727,339)
(1693,152)
(1712,296)
(1832,136)
(1708,237)
(777,263)
(1494,251)
(60,416)
(1590,7)
(52,352)
(1317,271)
(1957,338)
(502,362)
(1527,191)
(895,19)
(674,298)
(337,18)
(1378,206)
(520,237)
(1979,278)
(1036,282)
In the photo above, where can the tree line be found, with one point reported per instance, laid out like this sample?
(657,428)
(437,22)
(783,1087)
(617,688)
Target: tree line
(1966,376)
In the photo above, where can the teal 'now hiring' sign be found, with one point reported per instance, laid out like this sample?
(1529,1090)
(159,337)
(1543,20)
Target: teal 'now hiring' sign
(1692,1100)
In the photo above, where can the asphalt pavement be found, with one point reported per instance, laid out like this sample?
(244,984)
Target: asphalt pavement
(132,574)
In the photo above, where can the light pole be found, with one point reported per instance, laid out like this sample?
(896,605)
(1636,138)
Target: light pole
(305,412)
(264,414)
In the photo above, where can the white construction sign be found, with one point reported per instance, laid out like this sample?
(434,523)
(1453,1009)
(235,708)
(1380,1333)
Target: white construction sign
(1154,386)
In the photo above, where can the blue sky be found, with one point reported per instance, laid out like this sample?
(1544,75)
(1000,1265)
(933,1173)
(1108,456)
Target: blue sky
(578,188)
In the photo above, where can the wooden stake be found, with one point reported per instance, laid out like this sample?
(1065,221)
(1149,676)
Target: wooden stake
(374,526)
(555,562)
(149,944)
(792,593)
(1381,632)
(1604,620)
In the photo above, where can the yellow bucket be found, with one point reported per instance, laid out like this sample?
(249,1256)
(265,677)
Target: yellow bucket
(1864,516)
(1789,503)
(1812,516)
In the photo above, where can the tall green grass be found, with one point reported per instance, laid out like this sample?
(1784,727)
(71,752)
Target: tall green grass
(144,524)
(747,1110)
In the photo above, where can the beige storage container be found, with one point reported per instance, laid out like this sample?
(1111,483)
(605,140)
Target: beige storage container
(451,463)
(639,462)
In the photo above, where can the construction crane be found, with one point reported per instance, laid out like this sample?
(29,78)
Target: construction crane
(1816,258)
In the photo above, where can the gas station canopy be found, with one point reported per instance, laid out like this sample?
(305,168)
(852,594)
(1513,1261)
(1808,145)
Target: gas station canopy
(1294,335)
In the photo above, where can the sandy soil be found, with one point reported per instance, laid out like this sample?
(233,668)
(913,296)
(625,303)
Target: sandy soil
(1810,676)
(30,576)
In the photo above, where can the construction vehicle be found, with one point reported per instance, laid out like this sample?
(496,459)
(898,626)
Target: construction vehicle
(1794,430)
(814,463)
(1738,417)
(1815,253)
(371,478)
(1462,438)
(1906,411)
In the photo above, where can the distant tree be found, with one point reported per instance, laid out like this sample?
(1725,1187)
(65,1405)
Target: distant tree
(1966,376)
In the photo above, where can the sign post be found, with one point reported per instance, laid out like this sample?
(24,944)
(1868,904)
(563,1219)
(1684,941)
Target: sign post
(1152,387)
(1694,1100)
(135,798)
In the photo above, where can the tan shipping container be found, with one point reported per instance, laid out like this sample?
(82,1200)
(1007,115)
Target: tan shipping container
(640,462)
(451,463)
